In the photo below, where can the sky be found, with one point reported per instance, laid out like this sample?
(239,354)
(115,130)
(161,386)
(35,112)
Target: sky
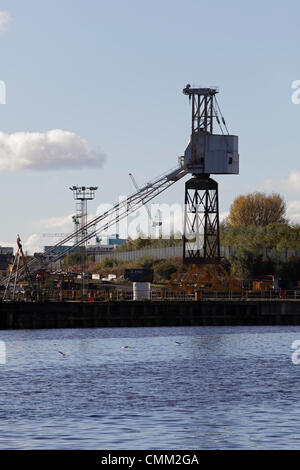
(94,92)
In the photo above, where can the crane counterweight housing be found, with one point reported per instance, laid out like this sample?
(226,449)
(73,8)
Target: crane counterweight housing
(212,154)
(209,152)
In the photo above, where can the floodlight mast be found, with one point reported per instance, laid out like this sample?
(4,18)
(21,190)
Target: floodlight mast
(207,153)
(82,194)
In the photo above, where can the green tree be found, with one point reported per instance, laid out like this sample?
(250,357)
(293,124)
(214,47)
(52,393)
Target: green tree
(244,263)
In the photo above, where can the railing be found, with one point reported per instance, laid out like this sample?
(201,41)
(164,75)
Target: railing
(163,295)
(56,295)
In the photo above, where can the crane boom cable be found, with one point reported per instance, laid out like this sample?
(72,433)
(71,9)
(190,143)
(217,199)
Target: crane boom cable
(217,118)
(223,120)
(137,188)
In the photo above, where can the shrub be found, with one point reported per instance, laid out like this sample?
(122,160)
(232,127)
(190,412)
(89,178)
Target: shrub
(165,270)
(110,263)
(147,262)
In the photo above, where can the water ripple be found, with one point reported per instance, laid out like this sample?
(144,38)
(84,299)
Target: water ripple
(222,388)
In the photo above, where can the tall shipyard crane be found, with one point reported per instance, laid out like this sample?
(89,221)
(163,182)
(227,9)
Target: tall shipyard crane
(207,153)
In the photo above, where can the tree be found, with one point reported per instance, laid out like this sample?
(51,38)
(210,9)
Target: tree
(257,209)
(247,263)
(291,269)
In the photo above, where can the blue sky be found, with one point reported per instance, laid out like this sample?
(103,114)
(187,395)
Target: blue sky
(112,73)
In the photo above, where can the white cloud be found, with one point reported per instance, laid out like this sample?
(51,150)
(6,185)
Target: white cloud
(223,216)
(293,207)
(63,222)
(293,181)
(7,244)
(289,184)
(293,211)
(33,244)
(45,151)
(5,21)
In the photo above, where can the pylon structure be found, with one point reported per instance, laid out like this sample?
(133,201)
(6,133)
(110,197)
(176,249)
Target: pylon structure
(207,153)
(82,194)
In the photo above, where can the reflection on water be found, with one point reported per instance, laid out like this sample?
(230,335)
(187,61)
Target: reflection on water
(171,388)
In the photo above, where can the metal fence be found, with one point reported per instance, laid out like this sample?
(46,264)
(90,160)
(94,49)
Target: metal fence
(159,295)
(176,251)
(156,294)
(165,252)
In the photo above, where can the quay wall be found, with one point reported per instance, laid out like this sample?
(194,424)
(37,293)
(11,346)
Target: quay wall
(17,315)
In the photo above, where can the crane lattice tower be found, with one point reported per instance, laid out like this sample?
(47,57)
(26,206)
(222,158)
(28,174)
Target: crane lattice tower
(207,153)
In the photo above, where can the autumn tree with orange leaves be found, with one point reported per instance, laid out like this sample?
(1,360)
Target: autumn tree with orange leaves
(257,209)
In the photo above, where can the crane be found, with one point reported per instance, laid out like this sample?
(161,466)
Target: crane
(14,276)
(207,153)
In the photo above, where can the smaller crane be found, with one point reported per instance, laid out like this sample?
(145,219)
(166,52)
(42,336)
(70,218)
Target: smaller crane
(19,255)
(155,223)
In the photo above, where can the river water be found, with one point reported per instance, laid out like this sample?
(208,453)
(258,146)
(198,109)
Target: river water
(220,388)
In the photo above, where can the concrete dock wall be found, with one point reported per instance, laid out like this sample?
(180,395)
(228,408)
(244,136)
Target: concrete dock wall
(133,314)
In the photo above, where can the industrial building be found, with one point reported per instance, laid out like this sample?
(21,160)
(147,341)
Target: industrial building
(104,245)
(109,240)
